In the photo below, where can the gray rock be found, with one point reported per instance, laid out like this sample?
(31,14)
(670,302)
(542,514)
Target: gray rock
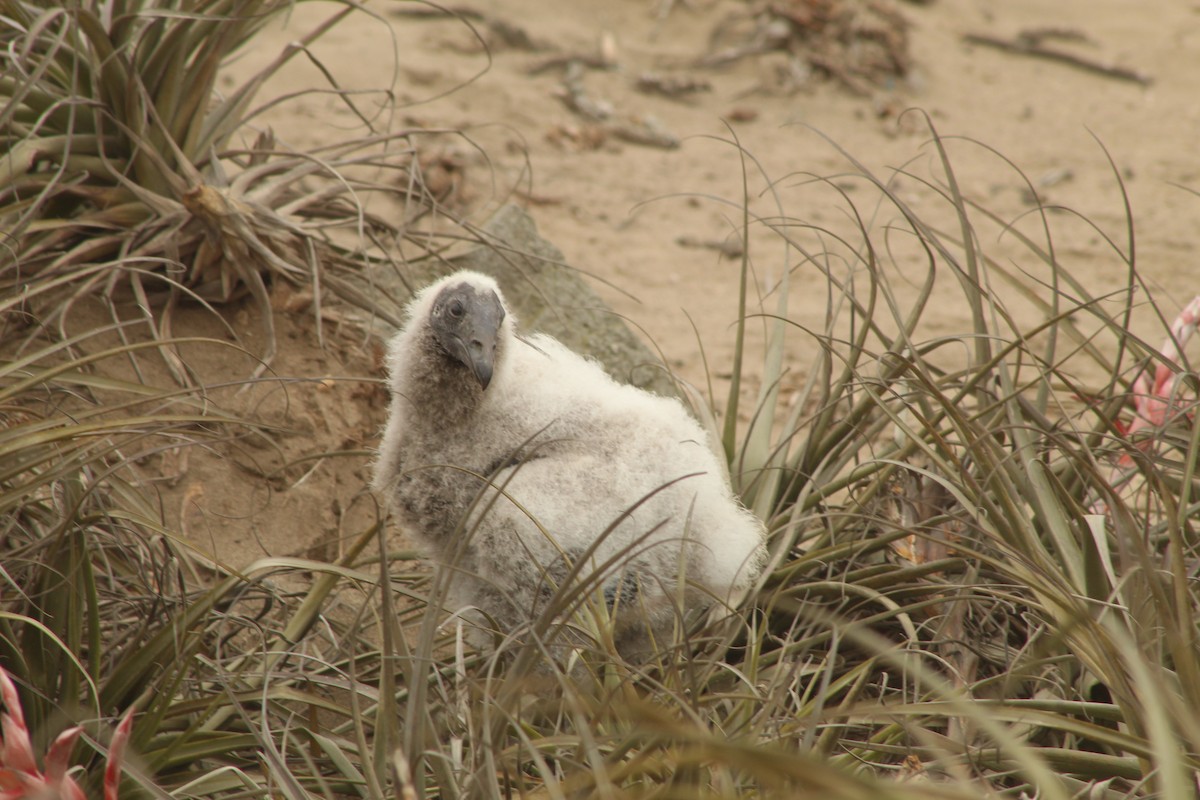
(549,296)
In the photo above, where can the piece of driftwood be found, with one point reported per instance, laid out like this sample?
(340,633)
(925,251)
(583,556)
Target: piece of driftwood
(500,32)
(1033,46)
(436,12)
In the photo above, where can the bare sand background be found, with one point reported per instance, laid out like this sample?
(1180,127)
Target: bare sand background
(619,210)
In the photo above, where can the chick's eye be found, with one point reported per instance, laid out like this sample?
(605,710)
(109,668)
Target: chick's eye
(456,309)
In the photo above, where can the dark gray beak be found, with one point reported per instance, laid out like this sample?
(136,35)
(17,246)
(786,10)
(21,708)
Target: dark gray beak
(477,350)
(466,321)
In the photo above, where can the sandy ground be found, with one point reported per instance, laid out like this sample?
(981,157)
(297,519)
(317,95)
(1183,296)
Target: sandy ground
(629,215)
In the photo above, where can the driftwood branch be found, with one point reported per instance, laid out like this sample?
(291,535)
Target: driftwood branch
(1032,46)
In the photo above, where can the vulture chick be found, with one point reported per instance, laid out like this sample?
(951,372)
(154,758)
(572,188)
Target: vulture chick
(520,465)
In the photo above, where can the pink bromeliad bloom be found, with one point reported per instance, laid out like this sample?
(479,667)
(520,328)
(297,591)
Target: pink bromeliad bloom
(1156,398)
(19,773)
(1155,391)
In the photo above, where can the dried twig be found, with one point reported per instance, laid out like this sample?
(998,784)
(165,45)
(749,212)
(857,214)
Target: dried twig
(730,247)
(673,86)
(643,129)
(591,61)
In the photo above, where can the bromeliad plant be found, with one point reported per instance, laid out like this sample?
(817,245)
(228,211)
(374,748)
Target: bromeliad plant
(1013,569)
(126,174)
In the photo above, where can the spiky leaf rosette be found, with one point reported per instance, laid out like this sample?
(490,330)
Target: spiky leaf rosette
(126,170)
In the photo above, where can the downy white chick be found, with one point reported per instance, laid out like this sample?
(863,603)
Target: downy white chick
(521,465)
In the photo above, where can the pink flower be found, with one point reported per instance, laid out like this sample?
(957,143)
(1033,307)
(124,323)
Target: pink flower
(1155,392)
(116,752)
(1156,398)
(19,773)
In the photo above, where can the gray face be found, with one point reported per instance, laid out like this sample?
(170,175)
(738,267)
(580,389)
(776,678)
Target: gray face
(466,323)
